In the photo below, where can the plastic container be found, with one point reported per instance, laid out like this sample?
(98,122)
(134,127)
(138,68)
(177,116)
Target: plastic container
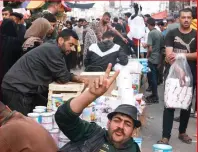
(139,142)
(62,140)
(55,126)
(49,105)
(162,148)
(57,100)
(41,107)
(39,111)
(47,122)
(35,116)
(88,114)
(55,135)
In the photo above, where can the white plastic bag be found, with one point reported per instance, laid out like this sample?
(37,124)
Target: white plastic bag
(137,27)
(178,85)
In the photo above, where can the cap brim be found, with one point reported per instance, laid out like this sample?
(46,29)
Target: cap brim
(137,123)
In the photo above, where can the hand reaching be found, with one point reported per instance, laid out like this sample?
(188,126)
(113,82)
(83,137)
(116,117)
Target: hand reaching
(102,84)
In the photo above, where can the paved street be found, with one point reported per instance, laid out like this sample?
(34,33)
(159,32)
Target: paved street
(152,132)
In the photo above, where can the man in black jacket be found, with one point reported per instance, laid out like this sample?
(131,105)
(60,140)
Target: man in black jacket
(89,137)
(28,79)
(102,53)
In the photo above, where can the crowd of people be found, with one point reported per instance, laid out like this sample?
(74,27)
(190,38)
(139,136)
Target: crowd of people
(36,52)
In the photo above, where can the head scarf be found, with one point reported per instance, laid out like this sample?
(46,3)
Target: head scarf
(36,33)
(39,28)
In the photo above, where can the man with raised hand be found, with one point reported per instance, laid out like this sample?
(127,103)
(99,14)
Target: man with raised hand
(89,137)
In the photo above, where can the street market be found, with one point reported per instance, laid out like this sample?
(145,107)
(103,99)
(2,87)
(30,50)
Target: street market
(98,76)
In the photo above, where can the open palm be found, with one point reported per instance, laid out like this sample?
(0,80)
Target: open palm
(102,84)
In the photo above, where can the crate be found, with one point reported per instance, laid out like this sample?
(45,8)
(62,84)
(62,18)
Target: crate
(68,90)
(93,75)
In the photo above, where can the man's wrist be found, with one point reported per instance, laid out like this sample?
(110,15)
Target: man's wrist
(91,95)
(76,78)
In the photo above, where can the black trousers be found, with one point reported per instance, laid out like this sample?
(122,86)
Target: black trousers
(152,78)
(22,103)
(168,117)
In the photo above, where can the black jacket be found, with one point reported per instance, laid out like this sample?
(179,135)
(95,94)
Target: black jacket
(35,70)
(101,54)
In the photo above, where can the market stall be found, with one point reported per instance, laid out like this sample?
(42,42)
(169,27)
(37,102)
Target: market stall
(125,90)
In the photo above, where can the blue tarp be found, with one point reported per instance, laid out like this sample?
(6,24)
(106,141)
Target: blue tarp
(25,4)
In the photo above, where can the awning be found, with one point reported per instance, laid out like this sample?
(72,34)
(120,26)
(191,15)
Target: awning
(78,5)
(30,5)
(160,15)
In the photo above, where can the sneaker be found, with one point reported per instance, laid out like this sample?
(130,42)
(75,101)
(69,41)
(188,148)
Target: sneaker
(148,89)
(152,99)
(177,119)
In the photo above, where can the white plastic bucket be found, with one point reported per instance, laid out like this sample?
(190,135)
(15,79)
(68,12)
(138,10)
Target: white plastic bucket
(124,80)
(139,142)
(57,100)
(55,135)
(55,126)
(62,140)
(35,116)
(162,148)
(47,120)
(41,107)
(39,110)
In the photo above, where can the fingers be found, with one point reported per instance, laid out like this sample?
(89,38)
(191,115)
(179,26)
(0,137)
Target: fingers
(108,70)
(101,80)
(97,83)
(112,79)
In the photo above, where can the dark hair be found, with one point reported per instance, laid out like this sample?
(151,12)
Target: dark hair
(50,17)
(185,10)
(98,19)
(194,12)
(66,33)
(161,23)
(7,9)
(81,20)
(70,23)
(128,14)
(108,35)
(115,19)
(18,15)
(151,21)
(147,15)
(107,14)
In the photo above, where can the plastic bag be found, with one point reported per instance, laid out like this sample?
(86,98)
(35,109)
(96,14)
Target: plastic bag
(178,85)
(137,27)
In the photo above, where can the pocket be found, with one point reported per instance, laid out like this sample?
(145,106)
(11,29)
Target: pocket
(27,103)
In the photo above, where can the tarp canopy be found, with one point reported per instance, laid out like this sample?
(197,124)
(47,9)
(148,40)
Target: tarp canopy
(160,15)
(81,6)
(30,5)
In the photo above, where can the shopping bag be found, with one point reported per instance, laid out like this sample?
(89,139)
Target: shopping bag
(179,84)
